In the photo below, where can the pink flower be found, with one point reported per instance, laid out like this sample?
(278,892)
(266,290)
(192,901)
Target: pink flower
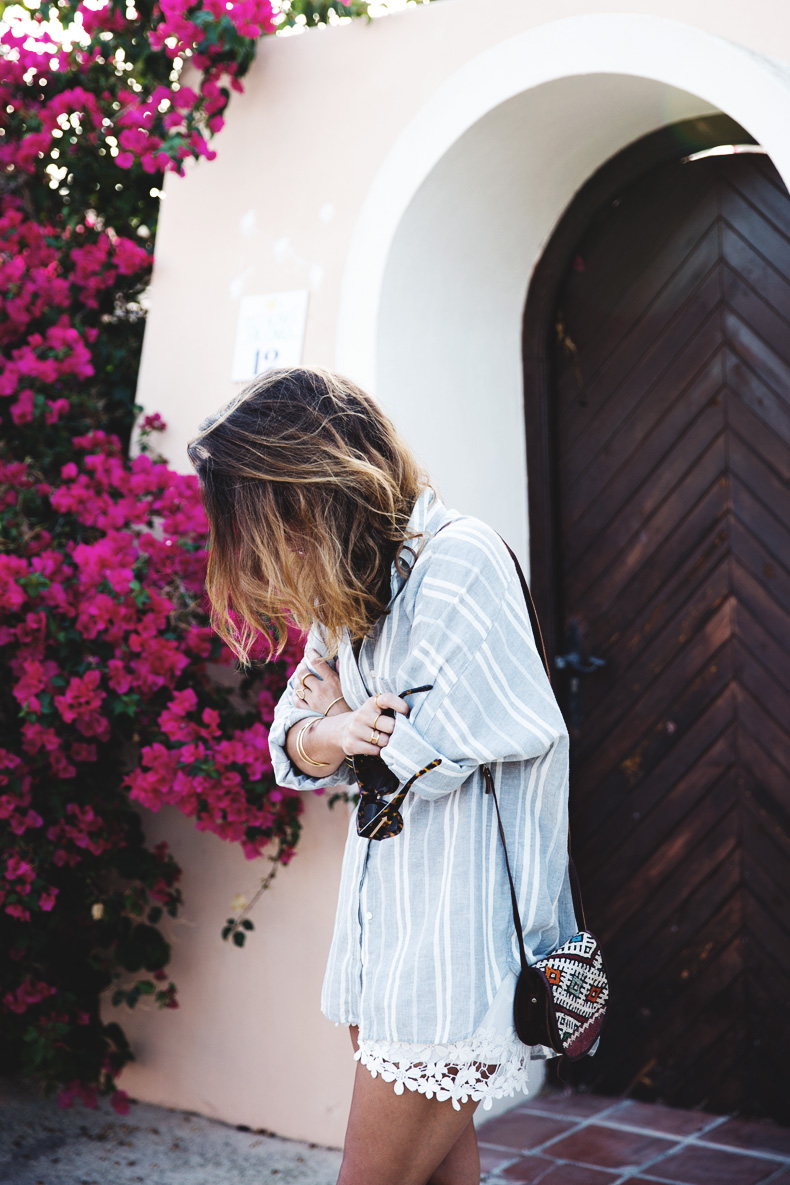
(12,569)
(119,1101)
(84,1091)
(118,676)
(17,868)
(60,766)
(80,705)
(28,993)
(18,912)
(22,410)
(36,737)
(80,751)
(55,409)
(153,423)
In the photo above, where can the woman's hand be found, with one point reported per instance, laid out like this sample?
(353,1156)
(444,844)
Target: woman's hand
(316,693)
(343,733)
(367,730)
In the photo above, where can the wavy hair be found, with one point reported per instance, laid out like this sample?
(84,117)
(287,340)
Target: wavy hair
(308,489)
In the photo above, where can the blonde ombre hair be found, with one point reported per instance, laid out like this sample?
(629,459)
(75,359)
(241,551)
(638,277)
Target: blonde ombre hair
(308,489)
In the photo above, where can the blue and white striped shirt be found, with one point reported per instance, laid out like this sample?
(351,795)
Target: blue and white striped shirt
(424,929)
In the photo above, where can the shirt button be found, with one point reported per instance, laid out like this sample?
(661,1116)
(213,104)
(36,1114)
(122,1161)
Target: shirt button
(369,915)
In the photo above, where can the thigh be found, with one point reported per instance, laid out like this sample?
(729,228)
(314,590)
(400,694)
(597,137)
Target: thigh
(397,1139)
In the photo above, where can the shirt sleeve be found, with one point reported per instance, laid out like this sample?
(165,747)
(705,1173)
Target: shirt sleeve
(471,638)
(285,716)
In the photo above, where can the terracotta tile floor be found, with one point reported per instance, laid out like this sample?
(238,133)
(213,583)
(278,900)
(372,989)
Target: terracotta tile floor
(582,1139)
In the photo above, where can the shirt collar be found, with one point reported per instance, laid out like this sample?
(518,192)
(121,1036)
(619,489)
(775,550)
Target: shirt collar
(428,515)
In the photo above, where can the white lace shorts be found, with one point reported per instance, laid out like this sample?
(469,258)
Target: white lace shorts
(489,1065)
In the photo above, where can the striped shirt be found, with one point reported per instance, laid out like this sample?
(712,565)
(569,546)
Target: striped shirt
(424,928)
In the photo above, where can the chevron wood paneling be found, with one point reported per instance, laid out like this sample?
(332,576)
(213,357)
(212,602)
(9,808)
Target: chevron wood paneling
(672,450)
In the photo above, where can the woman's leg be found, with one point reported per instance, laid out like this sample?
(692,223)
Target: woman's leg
(406,1139)
(462,1162)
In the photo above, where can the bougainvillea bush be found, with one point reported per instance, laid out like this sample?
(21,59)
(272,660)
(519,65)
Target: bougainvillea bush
(110,696)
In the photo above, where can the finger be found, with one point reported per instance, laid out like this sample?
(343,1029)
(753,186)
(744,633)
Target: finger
(359,748)
(360,738)
(386,699)
(383,724)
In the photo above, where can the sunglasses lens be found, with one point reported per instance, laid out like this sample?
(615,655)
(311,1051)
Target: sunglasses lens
(368,809)
(372,774)
(373,824)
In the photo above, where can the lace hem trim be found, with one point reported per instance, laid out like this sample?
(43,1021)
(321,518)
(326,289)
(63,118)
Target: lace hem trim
(488,1065)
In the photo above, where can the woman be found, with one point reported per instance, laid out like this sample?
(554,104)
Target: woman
(320,513)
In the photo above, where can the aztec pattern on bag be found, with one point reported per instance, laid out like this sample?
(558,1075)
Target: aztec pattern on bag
(577,982)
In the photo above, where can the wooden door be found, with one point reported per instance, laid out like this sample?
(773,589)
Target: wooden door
(671,449)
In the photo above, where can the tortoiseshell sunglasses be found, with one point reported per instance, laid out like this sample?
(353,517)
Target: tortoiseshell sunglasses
(378,818)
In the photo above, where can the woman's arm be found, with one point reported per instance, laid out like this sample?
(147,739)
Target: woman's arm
(469,635)
(329,739)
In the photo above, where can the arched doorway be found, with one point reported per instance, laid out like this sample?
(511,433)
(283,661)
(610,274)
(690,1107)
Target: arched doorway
(657,380)
(462,207)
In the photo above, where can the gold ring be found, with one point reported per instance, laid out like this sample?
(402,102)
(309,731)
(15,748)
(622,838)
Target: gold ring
(374,737)
(301,694)
(376,721)
(307,676)
(376,700)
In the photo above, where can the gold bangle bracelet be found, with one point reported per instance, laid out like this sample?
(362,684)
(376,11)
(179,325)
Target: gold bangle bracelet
(300,749)
(334,701)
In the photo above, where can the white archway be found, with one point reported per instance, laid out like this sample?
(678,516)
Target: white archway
(458,215)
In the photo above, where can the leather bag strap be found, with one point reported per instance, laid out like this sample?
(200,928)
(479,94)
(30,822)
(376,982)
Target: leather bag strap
(576,892)
(514,899)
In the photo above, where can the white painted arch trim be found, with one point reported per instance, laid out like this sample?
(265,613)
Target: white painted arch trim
(752,88)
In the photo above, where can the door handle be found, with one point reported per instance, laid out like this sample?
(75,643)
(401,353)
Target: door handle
(576,664)
(575,661)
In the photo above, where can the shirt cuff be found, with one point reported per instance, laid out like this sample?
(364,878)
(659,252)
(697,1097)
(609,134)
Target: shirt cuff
(407,752)
(288,774)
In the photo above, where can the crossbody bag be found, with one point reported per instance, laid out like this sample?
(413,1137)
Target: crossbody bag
(561,998)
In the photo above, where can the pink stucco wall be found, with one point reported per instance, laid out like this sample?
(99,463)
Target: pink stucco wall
(248,1043)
